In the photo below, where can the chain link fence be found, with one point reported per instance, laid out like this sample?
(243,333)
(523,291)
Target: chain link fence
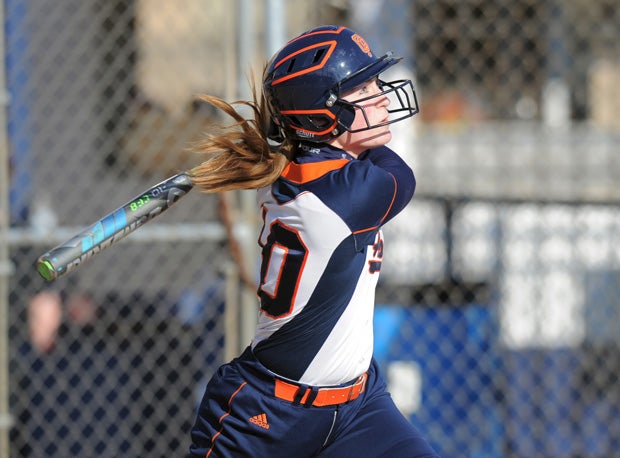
(498,316)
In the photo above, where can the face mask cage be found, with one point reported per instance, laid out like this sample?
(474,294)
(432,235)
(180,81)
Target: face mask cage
(403,103)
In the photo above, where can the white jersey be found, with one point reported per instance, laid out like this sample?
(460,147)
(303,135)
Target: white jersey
(322,249)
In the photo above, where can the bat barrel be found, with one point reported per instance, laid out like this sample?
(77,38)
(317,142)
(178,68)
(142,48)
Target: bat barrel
(113,227)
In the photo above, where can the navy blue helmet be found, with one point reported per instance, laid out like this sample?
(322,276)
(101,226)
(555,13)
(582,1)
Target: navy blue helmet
(305,80)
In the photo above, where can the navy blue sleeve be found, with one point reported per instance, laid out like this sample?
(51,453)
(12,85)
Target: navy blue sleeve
(386,159)
(379,183)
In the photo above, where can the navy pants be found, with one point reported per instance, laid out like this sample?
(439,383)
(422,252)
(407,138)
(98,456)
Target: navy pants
(240,417)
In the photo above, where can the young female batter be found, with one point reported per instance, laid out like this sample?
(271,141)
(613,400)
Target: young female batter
(307,385)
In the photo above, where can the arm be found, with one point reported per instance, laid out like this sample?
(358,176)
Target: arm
(386,159)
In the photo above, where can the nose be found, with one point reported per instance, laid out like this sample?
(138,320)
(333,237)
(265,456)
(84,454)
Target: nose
(383,100)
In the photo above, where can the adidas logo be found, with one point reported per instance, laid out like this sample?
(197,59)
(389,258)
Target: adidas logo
(260,420)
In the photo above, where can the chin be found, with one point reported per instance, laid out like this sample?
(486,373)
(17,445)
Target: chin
(379,139)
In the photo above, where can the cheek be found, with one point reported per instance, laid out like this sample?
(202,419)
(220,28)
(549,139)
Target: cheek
(360,121)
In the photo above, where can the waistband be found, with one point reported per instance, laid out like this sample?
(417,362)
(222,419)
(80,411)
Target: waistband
(299,393)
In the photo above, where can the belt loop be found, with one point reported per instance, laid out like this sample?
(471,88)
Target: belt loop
(351,388)
(361,383)
(311,396)
(301,392)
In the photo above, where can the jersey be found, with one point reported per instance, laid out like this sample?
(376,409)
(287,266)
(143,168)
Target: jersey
(322,249)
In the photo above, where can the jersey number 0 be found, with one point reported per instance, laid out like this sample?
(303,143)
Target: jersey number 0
(283,259)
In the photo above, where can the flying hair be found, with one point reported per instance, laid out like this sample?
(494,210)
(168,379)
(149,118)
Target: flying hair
(239,156)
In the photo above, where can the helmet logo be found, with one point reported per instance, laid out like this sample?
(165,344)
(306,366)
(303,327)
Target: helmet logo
(304,133)
(359,41)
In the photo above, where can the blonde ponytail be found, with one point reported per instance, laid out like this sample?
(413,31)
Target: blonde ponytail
(239,157)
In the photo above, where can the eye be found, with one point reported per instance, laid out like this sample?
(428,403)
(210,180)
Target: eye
(366,88)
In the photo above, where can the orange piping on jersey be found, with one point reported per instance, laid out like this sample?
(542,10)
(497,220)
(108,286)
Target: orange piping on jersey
(224,416)
(365,230)
(304,173)
(393,198)
(263,216)
(386,213)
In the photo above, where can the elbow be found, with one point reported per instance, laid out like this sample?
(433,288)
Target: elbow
(412,185)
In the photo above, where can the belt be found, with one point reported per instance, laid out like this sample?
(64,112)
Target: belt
(319,397)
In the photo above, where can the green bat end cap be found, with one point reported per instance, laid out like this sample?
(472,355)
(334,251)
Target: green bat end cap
(46,270)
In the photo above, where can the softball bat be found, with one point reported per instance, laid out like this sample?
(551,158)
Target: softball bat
(69,255)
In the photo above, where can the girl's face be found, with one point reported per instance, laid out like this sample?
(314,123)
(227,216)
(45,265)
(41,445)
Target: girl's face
(376,112)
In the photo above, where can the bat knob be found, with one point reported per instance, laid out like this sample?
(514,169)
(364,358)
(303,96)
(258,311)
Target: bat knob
(46,269)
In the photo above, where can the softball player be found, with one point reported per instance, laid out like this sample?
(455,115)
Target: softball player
(307,385)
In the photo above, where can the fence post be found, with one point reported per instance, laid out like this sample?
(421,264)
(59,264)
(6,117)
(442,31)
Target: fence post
(5,270)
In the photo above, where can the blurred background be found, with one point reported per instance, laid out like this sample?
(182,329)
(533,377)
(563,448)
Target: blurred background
(498,316)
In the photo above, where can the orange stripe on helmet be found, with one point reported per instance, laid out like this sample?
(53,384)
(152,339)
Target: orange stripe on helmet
(332,45)
(318,32)
(325,112)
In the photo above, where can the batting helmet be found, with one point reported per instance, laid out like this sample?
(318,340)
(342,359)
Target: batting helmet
(304,82)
